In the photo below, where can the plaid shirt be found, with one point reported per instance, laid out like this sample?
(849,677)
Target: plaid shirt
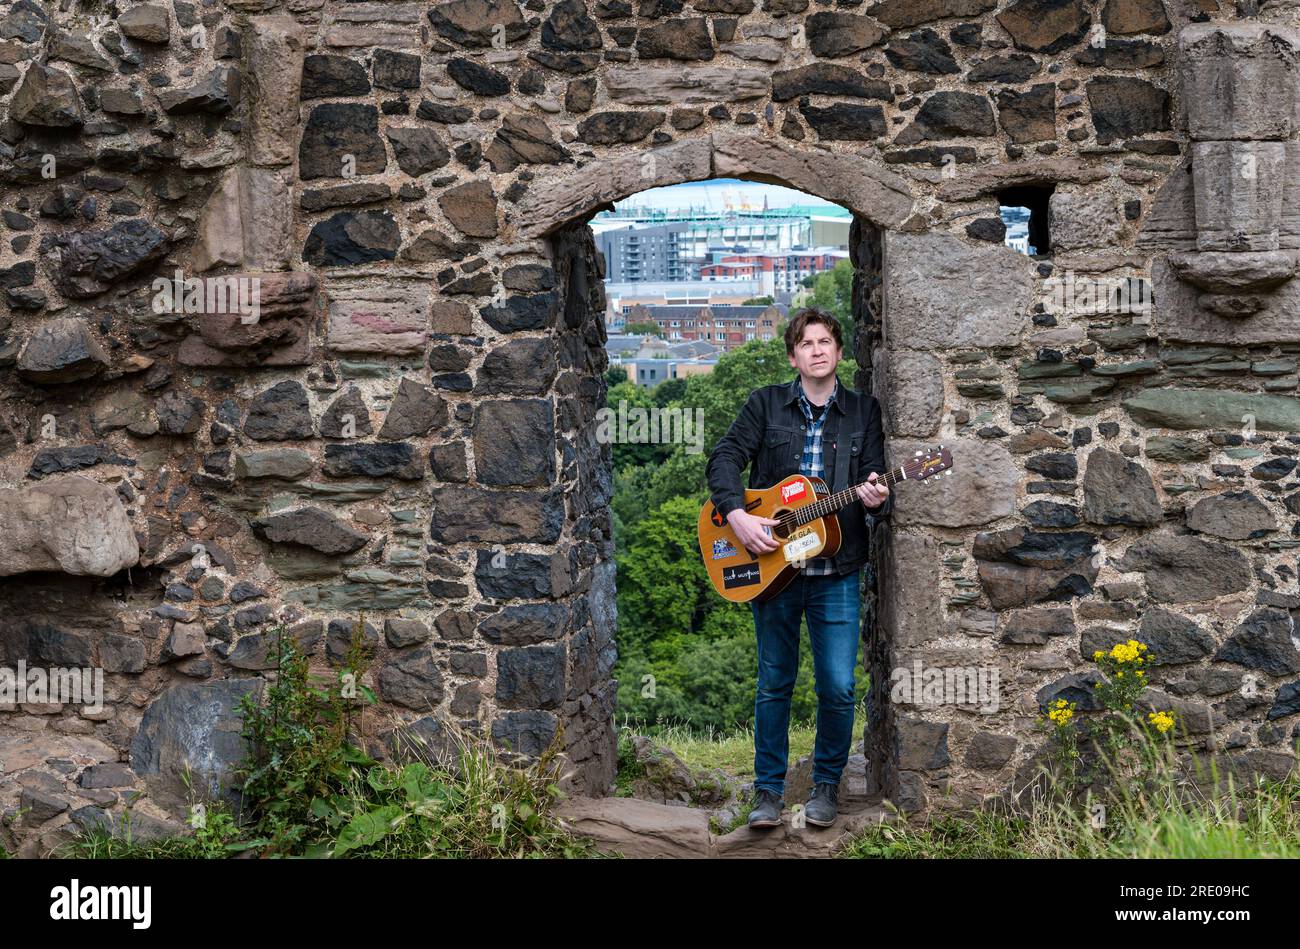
(811,465)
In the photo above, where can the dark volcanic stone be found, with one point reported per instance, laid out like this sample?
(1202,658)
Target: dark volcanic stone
(514,442)
(1029,116)
(949,115)
(1183,569)
(1232,515)
(1263,641)
(1051,514)
(614,128)
(1012,68)
(479,79)
(63,350)
(1122,54)
(418,150)
(178,414)
(327,77)
(682,39)
(922,51)
(1058,465)
(845,122)
(1125,17)
(352,237)
(1045,26)
(1123,107)
(531,677)
(91,261)
(1119,491)
(393,70)
(385,460)
(570,28)
(217,94)
(533,312)
(831,35)
(338,129)
(1018,567)
(47,97)
(279,413)
(50,461)
(310,527)
(349,403)
(412,681)
(474,23)
(900,14)
(414,411)
(831,79)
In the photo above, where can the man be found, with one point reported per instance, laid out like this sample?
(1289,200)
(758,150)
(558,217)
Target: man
(816,427)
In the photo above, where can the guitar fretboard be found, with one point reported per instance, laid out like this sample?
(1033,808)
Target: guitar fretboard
(831,504)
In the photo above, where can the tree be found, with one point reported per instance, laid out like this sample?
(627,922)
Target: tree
(758,301)
(614,375)
(627,452)
(668,392)
(648,328)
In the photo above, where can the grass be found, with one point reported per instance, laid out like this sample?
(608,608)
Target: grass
(703,750)
(1171,817)
(733,751)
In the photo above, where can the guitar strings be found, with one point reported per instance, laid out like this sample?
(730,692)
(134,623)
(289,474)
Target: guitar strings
(833,503)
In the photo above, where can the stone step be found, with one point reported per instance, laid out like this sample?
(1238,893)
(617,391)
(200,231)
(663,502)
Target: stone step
(644,829)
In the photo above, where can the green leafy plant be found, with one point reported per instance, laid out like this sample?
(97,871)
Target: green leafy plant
(1114,747)
(301,756)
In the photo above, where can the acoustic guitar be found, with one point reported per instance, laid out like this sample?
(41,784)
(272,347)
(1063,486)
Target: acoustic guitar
(809,528)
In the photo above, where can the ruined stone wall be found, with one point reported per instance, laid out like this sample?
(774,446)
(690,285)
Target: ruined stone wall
(406,424)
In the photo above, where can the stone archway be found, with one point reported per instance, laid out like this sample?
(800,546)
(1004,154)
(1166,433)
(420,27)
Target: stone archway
(902,747)
(564,203)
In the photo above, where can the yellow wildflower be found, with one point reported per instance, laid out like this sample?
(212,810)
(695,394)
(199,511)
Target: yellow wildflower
(1163,721)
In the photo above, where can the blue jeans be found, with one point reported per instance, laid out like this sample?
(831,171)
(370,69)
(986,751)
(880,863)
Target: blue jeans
(832,607)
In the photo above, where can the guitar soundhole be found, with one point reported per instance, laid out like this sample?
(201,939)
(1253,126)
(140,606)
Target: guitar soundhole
(781,530)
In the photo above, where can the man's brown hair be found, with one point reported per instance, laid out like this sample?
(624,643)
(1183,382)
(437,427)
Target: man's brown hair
(794,329)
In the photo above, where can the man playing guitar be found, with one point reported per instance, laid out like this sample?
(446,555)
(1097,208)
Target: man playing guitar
(815,427)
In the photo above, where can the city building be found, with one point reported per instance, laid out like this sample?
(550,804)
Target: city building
(725,327)
(657,244)
(647,253)
(620,298)
(776,272)
(650,360)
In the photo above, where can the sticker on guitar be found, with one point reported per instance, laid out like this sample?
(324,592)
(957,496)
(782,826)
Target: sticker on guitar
(740,576)
(799,545)
(789,492)
(722,549)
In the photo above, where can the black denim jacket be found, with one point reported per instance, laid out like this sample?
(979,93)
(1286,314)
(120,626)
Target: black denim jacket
(768,435)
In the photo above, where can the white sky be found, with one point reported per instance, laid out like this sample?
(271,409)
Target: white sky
(717,193)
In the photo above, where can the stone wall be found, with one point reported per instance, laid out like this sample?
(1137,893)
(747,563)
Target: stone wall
(405,426)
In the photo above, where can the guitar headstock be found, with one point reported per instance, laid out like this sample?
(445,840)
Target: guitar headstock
(929,464)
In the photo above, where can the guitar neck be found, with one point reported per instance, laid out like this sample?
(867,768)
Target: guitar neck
(831,504)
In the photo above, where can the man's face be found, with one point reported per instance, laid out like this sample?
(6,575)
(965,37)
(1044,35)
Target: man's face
(816,354)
